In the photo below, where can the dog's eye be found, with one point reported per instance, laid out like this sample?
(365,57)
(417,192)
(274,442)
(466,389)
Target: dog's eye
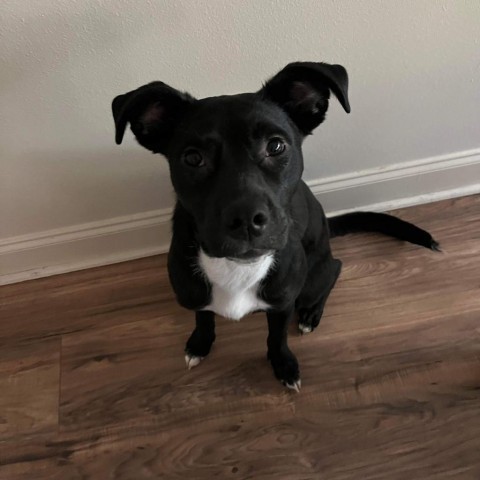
(275,147)
(193,158)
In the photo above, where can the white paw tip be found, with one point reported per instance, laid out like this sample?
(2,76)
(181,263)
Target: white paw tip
(304,328)
(192,361)
(295,385)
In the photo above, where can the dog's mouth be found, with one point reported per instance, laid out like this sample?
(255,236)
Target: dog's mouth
(250,256)
(243,250)
(247,254)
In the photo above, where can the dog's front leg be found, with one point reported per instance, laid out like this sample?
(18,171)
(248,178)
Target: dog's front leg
(284,363)
(201,340)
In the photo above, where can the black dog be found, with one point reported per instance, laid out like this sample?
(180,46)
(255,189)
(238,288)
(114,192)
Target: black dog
(248,234)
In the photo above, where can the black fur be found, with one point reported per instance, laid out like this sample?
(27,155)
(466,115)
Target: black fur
(381,223)
(236,164)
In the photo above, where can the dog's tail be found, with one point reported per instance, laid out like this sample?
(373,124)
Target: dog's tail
(381,223)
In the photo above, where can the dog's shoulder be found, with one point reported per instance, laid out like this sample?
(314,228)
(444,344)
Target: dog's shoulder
(191,288)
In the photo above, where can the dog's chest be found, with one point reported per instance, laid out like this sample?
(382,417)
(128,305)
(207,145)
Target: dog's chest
(235,285)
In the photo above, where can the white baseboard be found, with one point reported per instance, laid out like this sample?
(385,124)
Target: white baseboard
(84,246)
(402,184)
(144,234)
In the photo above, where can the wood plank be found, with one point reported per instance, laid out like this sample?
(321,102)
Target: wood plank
(82,300)
(406,436)
(29,389)
(137,372)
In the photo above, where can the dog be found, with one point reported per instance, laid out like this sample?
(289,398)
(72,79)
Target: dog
(248,234)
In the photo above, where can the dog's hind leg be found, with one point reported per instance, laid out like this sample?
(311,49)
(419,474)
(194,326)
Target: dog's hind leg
(312,299)
(201,340)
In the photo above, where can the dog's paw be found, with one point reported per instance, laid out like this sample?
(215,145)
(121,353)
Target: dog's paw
(305,328)
(294,386)
(309,319)
(285,368)
(197,348)
(435,246)
(192,360)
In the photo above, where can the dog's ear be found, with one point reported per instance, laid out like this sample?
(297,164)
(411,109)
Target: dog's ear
(302,89)
(153,112)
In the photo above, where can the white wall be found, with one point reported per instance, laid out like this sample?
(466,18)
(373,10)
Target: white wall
(413,65)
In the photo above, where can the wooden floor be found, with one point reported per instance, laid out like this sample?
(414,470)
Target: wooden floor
(93,383)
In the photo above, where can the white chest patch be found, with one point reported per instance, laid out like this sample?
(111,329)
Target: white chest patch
(235,284)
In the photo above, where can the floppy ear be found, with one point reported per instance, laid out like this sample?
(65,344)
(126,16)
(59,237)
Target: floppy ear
(302,89)
(153,111)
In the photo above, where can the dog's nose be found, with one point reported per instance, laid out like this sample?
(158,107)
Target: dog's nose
(258,223)
(242,222)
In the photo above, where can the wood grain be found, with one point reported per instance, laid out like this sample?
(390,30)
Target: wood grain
(93,383)
(29,388)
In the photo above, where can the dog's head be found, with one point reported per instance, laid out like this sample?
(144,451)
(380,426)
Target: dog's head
(235,161)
